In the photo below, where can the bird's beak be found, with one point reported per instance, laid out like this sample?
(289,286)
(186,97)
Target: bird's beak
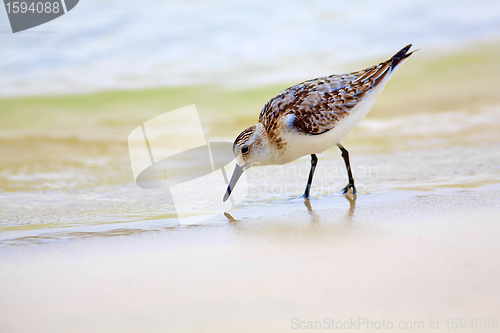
(234,179)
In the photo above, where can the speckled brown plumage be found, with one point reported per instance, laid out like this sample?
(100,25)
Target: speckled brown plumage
(316,106)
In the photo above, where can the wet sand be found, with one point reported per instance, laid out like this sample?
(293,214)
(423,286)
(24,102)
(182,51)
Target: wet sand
(82,248)
(394,256)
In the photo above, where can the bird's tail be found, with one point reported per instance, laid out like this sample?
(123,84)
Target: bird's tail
(371,77)
(399,57)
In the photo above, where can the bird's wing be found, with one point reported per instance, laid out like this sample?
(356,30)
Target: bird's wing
(315,106)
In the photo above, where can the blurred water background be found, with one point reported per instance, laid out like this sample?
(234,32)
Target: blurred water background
(106,44)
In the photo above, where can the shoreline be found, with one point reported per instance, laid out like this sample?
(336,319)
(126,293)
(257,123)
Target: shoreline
(83,249)
(260,273)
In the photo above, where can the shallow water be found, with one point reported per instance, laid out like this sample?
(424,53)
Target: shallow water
(402,157)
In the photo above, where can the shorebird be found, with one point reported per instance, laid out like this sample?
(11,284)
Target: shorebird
(311,117)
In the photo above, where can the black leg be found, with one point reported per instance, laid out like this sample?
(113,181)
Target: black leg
(345,156)
(314,161)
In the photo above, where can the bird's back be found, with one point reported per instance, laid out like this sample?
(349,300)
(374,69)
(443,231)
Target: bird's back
(316,106)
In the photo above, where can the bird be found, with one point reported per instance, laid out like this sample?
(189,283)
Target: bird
(310,117)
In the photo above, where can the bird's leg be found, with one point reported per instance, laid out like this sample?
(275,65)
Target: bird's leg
(345,156)
(314,161)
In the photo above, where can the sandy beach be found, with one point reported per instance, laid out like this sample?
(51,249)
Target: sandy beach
(411,257)
(82,248)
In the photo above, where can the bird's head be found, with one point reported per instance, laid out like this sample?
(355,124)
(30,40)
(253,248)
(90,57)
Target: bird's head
(250,148)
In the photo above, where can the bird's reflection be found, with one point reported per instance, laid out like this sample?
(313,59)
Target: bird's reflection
(352,205)
(314,216)
(230,217)
(350,197)
(349,214)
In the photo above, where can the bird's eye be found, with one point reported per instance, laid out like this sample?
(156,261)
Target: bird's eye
(244,150)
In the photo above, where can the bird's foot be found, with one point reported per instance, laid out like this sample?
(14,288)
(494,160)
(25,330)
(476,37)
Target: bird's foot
(349,186)
(306,196)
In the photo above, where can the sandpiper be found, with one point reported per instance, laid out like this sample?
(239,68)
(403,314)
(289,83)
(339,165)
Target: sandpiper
(311,117)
